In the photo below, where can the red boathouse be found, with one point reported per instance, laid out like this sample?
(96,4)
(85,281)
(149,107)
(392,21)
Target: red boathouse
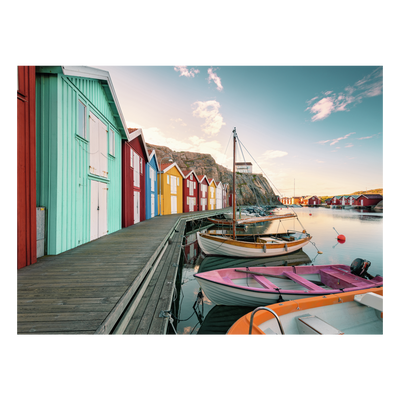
(368,200)
(203,193)
(190,191)
(310,201)
(26,167)
(134,159)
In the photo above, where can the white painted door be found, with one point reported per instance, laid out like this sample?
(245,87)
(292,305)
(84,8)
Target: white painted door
(136,207)
(152,205)
(192,201)
(94,167)
(94,210)
(103,150)
(98,209)
(98,147)
(103,209)
(174,204)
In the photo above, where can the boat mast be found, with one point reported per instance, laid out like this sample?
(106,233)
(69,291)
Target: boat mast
(234,185)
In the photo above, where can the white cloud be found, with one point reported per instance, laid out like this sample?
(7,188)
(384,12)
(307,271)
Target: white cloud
(322,108)
(334,141)
(154,135)
(209,110)
(185,72)
(274,154)
(212,76)
(369,86)
(366,137)
(179,121)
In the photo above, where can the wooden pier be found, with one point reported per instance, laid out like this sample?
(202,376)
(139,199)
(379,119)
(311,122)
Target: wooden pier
(119,283)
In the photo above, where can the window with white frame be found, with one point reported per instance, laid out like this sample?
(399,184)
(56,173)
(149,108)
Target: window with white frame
(152,178)
(111,145)
(136,171)
(131,159)
(81,119)
(174,180)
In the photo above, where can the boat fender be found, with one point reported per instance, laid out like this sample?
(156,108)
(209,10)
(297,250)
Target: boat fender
(360,267)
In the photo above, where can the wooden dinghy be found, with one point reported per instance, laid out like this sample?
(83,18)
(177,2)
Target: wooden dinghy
(253,247)
(356,312)
(250,220)
(255,286)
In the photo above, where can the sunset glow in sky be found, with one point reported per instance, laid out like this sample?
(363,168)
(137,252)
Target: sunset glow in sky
(313,130)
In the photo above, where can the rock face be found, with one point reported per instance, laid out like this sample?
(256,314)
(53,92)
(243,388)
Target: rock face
(251,189)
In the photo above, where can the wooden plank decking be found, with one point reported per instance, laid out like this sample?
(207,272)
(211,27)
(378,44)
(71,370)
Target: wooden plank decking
(87,289)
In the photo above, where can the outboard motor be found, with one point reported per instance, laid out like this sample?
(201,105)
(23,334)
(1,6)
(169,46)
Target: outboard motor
(360,267)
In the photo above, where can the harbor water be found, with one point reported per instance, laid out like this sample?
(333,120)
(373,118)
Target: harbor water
(363,230)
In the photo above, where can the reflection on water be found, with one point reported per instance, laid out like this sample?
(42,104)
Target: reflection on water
(364,239)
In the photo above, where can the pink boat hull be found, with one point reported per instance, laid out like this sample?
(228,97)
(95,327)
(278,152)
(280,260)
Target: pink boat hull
(250,286)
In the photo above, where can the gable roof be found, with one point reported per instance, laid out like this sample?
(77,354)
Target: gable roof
(166,167)
(134,133)
(203,178)
(211,181)
(151,154)
(187,172)
(105,78)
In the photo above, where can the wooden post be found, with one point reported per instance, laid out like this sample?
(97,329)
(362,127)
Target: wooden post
(234,185)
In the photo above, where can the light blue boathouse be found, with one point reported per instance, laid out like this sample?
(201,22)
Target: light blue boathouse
(152,170)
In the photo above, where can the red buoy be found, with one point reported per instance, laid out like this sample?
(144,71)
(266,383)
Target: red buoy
(341,238)
(310,214)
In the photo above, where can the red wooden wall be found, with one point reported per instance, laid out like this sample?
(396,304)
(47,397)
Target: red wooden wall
(186,192)
(26,167)
(127,183)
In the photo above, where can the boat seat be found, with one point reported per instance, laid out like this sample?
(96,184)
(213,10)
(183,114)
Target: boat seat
(265,282)
(344,276)
(302,281)
(372,300)
(311,324)
(270,240)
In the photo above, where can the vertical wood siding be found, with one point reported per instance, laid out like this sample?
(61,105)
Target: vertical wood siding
(26,171)
(63,160)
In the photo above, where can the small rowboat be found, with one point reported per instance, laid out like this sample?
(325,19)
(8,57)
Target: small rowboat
(357,312)
(254,286)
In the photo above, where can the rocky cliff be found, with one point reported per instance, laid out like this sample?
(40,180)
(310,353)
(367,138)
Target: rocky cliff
(251,189)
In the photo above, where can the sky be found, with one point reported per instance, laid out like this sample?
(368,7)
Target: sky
(311,130)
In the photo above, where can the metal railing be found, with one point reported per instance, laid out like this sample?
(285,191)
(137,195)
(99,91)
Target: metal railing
(266,309)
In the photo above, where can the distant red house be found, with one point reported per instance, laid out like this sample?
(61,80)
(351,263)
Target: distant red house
(310,201)
(190,191)
(202,193)
(368,200)
(344,200)
(336,201)
(328,201)
(134,159)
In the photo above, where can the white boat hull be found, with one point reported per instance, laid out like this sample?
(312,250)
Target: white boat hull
(225,247)
(233,296)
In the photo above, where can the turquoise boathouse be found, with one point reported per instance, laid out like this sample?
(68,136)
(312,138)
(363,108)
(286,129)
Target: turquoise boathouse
(79,133)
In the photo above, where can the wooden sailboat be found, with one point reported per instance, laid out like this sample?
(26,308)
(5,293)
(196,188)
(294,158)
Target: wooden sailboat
(254,247)
(247,220)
